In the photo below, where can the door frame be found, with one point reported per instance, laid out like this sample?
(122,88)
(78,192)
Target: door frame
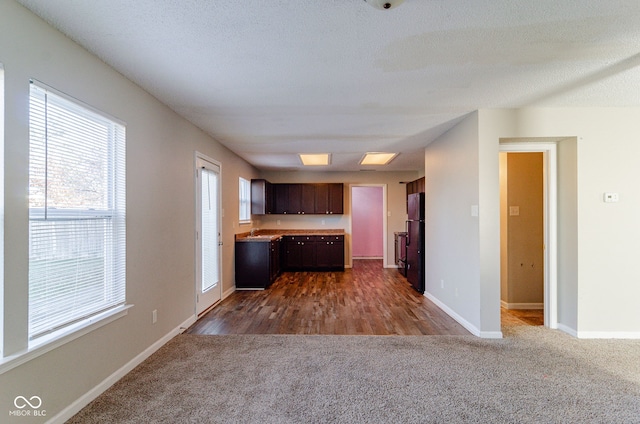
(384,221)
(550,200)
(199,161)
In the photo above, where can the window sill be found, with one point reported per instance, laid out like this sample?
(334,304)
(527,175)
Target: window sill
(52,341)
(245,222)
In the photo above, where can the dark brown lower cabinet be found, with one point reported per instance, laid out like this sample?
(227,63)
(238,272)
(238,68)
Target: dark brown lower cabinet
(257,263)
(330,252)
(313,253)
(299,252)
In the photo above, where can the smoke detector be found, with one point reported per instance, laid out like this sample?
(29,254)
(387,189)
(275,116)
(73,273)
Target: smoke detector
(384,4)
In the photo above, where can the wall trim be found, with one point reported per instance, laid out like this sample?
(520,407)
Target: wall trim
(228,293)
(521,305)
(608,335)
(92,394)
(466,324)
(550,218)
(570,331)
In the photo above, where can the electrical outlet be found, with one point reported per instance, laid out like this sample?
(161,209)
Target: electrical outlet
(441,284)
(154,316)
(456,292)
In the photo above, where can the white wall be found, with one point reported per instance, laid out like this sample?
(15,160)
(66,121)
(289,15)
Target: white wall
(452,234)
(608,234)
(160,211)
(396,204)
(598,243)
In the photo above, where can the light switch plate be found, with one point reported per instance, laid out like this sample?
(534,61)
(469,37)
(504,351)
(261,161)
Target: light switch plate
(514,210)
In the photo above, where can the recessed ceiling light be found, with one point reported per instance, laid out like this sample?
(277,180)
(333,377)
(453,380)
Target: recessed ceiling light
(377,158)
(314,159)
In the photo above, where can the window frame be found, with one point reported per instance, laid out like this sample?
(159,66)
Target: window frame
(113,215)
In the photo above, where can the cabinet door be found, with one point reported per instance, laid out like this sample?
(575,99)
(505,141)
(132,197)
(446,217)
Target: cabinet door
(261,197)
(252,264)
(295,198)
(280,198)
(308,252)
(330,252)
(337,255)
(322,198)
(323,252)
(329,198)
(308,198)
(293,252)
(336,198)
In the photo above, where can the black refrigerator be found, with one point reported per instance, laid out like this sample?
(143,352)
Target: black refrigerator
(415,241)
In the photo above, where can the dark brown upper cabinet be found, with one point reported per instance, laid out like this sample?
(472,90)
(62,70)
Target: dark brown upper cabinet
(329,198)
(297,198)
(261,197)
(416,186)
(280,198)
(308,198)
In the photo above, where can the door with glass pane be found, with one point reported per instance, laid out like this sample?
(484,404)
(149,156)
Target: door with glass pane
(208,234)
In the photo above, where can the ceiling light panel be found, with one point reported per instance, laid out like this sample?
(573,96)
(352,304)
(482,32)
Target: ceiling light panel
(315,159)
(377,158)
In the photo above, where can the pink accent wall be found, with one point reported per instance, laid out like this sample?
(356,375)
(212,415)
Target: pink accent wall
(366,231)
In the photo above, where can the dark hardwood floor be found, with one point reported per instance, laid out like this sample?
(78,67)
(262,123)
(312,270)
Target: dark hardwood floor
(364,300)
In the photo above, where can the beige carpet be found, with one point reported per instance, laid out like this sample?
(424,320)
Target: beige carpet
(534,375)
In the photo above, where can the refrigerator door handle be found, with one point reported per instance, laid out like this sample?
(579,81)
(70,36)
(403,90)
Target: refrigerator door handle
(408,225)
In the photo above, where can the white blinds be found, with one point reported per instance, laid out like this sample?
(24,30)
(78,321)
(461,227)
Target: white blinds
(210,230)
(76,212)
(245,199)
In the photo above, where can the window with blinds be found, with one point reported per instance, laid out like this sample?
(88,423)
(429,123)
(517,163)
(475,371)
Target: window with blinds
(245,200)
(76,212)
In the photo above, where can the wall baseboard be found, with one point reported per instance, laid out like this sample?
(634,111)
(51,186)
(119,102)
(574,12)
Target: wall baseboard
(228,292)
(521,305)
(608,335)
(85,399)
(565,329)
(466,324)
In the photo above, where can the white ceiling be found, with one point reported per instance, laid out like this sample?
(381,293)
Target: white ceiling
(270,79)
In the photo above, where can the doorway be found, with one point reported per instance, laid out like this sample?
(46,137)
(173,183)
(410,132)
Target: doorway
(535,253)
(521,238)
(368,222)
(208,233)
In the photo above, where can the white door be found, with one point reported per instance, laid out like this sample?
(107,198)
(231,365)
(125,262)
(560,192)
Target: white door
(208,236)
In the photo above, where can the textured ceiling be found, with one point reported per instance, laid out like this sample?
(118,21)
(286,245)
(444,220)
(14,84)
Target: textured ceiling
(270,79)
